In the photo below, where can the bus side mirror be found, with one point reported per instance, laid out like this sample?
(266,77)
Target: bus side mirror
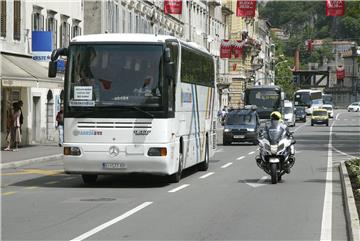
(52,69)
(53,60)
(167,55)
(169,71)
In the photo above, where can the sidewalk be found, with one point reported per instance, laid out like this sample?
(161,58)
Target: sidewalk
(30,154)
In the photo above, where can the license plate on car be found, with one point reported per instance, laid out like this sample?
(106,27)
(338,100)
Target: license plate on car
(117,165)
(239,136)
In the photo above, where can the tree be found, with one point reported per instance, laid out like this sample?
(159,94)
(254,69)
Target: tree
(284,78)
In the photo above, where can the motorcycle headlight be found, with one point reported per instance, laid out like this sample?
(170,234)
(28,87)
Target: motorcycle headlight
(274,149)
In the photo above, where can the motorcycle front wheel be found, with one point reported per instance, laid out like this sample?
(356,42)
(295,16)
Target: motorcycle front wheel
(274,173)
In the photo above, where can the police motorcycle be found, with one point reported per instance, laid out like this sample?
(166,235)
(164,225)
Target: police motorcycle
(276,152)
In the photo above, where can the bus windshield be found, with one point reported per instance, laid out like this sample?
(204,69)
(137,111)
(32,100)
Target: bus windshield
(266,100)
(103,75)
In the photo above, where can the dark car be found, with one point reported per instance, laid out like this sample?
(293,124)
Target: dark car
(300,114)
(241,126)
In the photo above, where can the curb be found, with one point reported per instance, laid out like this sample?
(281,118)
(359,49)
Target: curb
(352,217)
(16,164)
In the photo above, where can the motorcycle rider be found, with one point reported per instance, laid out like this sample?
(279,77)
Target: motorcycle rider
(276,120)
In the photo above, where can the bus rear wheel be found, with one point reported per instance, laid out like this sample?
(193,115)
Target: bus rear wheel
(89,178)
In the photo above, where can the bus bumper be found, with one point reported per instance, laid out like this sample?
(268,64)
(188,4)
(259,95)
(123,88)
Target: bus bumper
(116,159)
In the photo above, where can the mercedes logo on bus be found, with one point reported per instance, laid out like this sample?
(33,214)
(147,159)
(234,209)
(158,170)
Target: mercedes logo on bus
(114,151)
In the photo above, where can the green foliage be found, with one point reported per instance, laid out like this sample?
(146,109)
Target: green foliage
(284,78)
(304,20)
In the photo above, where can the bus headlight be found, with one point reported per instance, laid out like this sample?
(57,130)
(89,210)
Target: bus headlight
(72,151)
(157,151)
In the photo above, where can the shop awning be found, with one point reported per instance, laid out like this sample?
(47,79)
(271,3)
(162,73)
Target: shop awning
(22,71)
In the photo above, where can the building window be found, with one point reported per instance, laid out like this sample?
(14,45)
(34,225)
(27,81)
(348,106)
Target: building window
(51,26)
(37,19)
(76,29)
(3,19)
(17,19)
(64,32)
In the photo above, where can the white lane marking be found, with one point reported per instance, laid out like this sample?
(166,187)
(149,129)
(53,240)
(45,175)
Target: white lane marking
(250,153)
(259,183)
(29,188)
(111,222)
(337,115)
(220,150)
(206,175)
(179,188)
(342,153)
(239,158)
(69,178)
(326,223)
(53,182)
(226,165)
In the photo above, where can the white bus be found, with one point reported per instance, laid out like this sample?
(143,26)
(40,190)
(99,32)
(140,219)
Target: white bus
(309,98)
(137,103)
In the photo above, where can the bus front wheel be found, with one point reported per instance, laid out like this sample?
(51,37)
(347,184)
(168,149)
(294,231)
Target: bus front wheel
(89,178)
(175,178)
(204,166)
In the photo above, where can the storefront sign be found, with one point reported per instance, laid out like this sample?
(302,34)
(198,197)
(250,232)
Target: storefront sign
(225,49)
(41,45)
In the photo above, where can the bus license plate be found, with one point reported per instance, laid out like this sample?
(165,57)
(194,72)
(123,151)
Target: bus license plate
(239,136)
(118,165)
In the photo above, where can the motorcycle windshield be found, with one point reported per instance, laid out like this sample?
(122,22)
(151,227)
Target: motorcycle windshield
(274,133)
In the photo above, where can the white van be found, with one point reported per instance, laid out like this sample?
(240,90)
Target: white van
(288,113)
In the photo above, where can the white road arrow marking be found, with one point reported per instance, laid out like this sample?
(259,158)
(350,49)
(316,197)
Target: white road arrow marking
(259,183)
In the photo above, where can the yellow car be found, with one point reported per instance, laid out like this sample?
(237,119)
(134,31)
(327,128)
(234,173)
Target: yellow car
(320,116)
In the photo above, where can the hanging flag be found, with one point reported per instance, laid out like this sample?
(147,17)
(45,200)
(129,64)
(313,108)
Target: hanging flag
(309,44)
(225,49)
(238,47)
(335,7)
(245,8)
(340,72)
(172,6)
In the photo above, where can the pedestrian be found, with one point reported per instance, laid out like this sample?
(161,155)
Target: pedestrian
(15,136)
(20,103)
(60,124)
(9,127)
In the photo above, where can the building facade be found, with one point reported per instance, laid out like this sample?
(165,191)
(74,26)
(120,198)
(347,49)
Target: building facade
(24,70)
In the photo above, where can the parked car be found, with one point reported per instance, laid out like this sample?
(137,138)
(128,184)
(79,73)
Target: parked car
(355,106)
(320,116)
(288,113)
(329,109)
(241,125)
(300,114)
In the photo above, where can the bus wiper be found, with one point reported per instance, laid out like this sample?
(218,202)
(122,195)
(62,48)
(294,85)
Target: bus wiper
(142,111)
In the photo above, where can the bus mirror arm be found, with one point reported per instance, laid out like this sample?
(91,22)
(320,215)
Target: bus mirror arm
(53,63)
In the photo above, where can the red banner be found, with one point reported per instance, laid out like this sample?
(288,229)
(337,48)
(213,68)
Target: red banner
(335,7)
(309,45)
(245,8)
(340,73)
(172,6)
(238,48)
(225,49)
